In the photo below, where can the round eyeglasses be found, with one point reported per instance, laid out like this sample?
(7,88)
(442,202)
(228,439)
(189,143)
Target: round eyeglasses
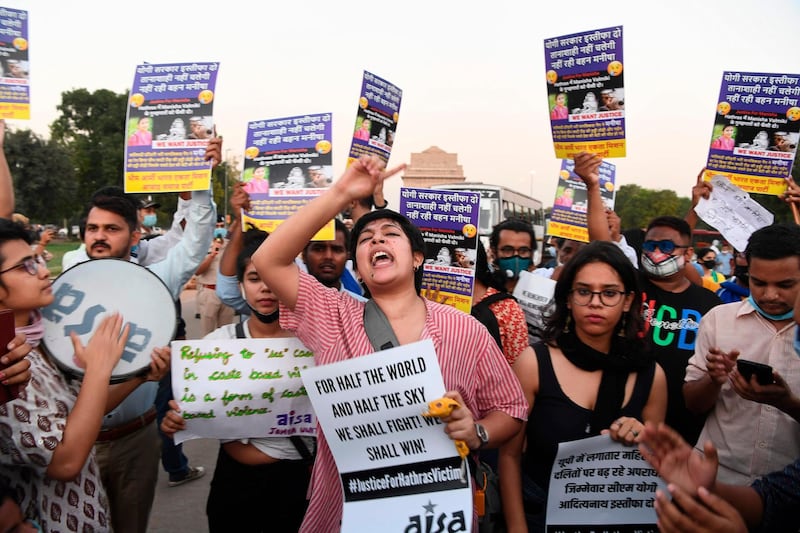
(608,297)
(31,265)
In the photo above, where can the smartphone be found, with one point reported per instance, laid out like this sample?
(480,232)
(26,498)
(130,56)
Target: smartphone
(7,334)
(762,372)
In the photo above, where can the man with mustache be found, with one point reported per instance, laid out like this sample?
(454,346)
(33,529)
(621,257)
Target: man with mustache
(128,446)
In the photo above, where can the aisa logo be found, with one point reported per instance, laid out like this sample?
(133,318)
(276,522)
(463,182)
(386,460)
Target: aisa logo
(433,522)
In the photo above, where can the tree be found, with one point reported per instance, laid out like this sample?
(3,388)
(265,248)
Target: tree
(636,206)
(92,128)
(44,179)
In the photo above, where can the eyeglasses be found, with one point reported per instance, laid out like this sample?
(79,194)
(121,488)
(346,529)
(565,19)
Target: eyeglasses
(608,297)
(665,246)
(509,251)
(31,264)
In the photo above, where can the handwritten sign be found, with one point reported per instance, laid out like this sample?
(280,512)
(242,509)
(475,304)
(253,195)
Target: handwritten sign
(15,92)
(398,468)
(597,481)
(586,92)
(162,152)
(242,388)
(568,218)
(756,130)
(449,224)
(733,212)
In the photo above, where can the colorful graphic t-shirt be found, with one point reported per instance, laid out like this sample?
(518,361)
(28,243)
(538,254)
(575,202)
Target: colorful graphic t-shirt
(671,320)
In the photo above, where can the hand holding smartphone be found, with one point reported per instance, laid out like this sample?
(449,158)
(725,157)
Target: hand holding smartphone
(762,372)
(7,334)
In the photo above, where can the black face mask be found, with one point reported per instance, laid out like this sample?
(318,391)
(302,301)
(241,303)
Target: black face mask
(266,319)
(710,264)
(742,274)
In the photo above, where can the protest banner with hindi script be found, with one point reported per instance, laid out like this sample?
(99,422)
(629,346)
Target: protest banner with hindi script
(15,92)
(586,92)
(599,482)
(756,130)
(376,119)
(449,224)
(568,217)
(163,153)
(287,163)
(399,470)
(242,388)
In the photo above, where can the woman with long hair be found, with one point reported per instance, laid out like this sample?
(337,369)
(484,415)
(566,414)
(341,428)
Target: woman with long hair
(592,374)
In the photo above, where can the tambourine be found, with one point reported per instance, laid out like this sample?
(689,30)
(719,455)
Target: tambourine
(88,292)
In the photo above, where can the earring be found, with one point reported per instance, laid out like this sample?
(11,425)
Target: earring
(621,331)
(567,323)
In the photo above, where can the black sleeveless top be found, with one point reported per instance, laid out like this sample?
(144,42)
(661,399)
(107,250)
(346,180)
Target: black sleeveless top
(555,418)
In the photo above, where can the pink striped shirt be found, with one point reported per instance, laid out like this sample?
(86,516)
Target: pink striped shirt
(331,324)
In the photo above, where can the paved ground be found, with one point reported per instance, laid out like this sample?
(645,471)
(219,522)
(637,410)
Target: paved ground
(183,508)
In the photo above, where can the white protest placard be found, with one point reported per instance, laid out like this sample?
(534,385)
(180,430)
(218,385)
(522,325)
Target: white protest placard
(599,482)
(242,388)
(535,296)
(733,212)
(399,470)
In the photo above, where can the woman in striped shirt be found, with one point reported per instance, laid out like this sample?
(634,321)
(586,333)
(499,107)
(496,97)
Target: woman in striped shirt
(387,252)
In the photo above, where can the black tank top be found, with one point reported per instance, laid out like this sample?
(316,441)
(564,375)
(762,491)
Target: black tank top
(556,418)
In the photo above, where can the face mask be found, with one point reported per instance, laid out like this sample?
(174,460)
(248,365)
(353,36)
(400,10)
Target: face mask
(512,266)
(742,274)
(710,264)
(666,268)
(785,316)
(266,319)
(149,221)
(220,233)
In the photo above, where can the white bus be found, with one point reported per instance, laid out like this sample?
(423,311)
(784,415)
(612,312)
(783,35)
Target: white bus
(499,203)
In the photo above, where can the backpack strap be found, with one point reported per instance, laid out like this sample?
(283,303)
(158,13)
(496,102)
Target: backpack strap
(496,297)
(378,329)
(240,331)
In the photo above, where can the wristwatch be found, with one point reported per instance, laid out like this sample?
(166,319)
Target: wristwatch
(483,435)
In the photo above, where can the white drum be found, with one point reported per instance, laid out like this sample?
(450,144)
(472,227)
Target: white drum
(88,292)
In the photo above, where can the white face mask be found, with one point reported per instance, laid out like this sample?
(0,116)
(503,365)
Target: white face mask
(666,268)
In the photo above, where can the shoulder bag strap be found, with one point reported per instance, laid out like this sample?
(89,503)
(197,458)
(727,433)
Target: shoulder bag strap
(379,331)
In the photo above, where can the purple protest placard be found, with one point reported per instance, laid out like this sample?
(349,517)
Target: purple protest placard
(756,130)
(568,218)
(376,120)
(169,123)
(15,93)
(287,162)
(449,224)
(586,92)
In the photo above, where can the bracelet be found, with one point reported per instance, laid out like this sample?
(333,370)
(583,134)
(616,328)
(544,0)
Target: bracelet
(384,206)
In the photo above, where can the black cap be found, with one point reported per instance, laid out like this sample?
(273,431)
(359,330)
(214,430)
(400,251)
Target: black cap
(149,202)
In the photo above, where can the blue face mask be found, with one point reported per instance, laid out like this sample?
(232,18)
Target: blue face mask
(220,233)
(512,266)
(785,316)
(149,220)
